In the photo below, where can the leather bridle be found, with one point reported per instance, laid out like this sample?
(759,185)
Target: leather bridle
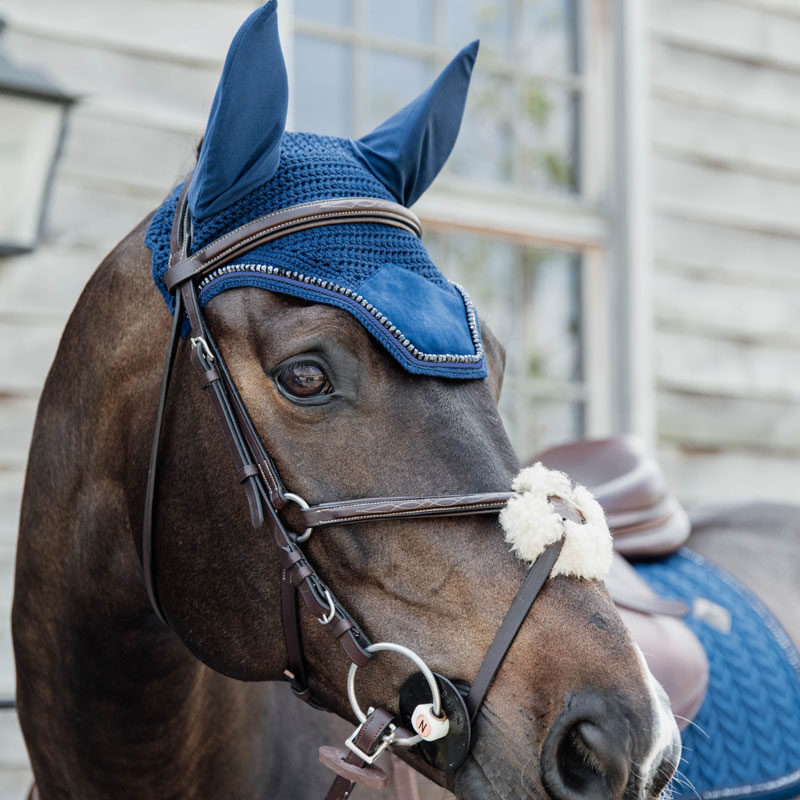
(266,495)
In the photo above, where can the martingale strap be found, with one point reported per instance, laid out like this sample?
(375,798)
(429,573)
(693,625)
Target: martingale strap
(256,471)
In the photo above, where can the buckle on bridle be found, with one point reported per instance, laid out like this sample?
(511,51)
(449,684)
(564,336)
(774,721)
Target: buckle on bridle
(386,740)
(332,613)
(199,342)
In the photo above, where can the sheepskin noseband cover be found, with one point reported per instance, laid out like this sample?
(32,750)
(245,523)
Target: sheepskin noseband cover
(531,523)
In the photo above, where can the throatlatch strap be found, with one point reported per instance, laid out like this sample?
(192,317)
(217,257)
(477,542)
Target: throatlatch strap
(148,556)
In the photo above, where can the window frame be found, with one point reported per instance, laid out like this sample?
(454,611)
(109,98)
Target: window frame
(605,221)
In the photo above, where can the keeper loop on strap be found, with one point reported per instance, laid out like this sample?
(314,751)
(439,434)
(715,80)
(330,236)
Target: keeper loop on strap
(246,471)
(209,377)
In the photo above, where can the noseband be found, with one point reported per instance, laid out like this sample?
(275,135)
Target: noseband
(266,495)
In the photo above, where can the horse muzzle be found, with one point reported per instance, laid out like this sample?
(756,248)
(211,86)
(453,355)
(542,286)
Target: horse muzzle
(594,750)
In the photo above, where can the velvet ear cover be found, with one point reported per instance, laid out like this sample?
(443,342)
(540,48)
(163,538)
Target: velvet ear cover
(531,523)
(242,142)
(408,150)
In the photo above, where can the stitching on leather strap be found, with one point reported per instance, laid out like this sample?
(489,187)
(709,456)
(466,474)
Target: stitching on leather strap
(463,500)
(298,207)
(386,212)
(417,512)
(291,223)
(274,490)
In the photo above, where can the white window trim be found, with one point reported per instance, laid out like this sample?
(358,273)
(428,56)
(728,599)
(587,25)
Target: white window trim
(631,313)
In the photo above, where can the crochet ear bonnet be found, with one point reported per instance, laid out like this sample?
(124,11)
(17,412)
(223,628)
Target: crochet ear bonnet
(249,165)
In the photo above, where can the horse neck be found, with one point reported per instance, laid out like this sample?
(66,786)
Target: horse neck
(96,668)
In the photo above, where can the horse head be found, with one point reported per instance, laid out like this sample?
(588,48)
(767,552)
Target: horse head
(365,374)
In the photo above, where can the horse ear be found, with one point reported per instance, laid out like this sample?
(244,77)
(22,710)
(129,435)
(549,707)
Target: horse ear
(242,143)
(407,151)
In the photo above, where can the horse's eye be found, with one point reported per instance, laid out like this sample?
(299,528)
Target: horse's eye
(303,379)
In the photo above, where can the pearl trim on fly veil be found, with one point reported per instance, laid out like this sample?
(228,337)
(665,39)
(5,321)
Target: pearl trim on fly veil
(531,523)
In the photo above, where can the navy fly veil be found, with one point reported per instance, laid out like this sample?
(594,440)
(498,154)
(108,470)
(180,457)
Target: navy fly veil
(381,275)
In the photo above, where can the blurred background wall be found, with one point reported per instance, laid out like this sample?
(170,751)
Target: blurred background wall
(622,205)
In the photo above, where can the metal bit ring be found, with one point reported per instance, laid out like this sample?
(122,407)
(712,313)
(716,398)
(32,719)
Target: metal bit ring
(423,668)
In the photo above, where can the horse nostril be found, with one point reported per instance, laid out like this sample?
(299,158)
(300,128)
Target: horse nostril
(585,757)
(580,764)
(663,775)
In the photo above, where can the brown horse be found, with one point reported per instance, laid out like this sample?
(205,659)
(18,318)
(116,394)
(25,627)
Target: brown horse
(112,702)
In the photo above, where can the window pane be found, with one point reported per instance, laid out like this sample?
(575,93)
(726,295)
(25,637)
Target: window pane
(323,86)
(526,136)
(517,130)
(487,20)
(545,423)
(548,36)
(484,150)
(338,12)
(392,81)
(547,138)
(549,309)
(531,299)
(411,19)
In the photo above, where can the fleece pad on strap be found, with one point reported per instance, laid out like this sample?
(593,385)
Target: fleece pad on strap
(745,740)
(380,274)
(531,523)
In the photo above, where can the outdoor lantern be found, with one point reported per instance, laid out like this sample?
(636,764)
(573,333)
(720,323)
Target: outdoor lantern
(33,114)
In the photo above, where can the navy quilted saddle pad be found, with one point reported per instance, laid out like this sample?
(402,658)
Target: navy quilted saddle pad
(745,740)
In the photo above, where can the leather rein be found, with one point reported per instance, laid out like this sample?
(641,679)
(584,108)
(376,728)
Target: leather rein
(255,470)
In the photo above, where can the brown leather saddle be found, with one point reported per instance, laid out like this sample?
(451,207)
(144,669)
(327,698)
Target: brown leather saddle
(646,521)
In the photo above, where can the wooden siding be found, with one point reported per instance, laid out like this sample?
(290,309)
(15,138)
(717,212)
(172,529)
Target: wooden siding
(145,79)
(146,73)
(725,127)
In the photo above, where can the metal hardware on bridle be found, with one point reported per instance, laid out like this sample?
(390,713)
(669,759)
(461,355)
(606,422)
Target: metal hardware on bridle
(423,668)
(264,490)
(304,536)
(328,617)
(386,740)
(199,341)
